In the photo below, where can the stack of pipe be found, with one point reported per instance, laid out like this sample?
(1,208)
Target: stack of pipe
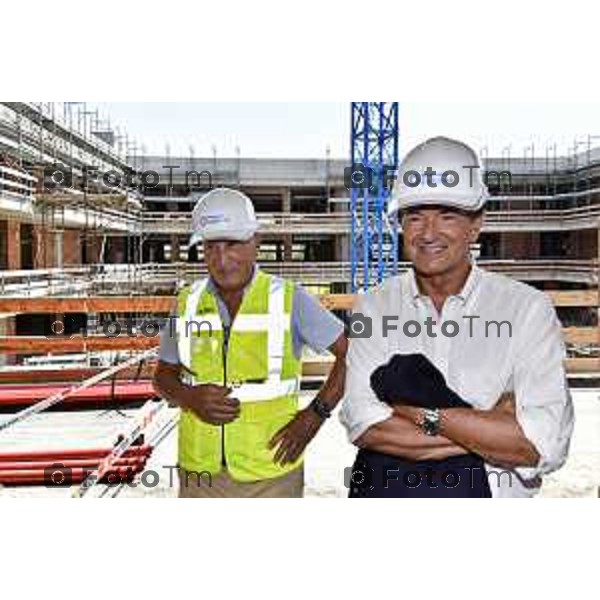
(66,467)
(132,391)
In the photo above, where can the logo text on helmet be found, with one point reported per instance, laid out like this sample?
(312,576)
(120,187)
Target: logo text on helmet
(212,219)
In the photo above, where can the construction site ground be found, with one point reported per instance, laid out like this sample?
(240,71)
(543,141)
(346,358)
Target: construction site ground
(326,457)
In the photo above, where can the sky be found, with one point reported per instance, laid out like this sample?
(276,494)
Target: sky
(306,130)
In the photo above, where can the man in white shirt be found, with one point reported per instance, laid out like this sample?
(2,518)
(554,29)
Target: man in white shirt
(496,341)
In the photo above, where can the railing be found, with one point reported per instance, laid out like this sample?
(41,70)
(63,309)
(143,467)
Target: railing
(46,282)
(114,279)
(157,276)
(180,222)
(537,219)
(16,184)
(334,223)
(563,214)
(584,271)
(339,222)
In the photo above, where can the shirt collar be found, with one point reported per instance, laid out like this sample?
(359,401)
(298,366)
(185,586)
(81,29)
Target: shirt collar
(468,288)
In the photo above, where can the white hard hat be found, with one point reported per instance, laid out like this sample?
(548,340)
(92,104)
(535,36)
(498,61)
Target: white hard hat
(458,181)
(223,214)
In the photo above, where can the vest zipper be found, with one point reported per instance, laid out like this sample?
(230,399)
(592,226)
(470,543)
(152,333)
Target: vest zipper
(225,345)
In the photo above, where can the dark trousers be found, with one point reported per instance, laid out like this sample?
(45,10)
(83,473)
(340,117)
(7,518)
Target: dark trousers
(378,475)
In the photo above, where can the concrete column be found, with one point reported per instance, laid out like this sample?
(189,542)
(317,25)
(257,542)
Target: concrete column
(286,207)
(598,284)
(286,200)
(535,244)
(342,248)
(59,255)
(8,327)
(3,245)
(94,245)
(115,252)
(13,249)
(40,249)
(71,247)
(175,248)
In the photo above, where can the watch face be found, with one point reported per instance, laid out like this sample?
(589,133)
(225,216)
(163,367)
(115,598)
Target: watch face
(431,422)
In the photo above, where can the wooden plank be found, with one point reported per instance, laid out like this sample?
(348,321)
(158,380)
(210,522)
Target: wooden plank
(122,304)
(58,345)
(583,365)
(317,367)
(73,374)
(166,304)
(581,335)
(311,368)
(574,297)
(560,298)
(572,365)
(102,304)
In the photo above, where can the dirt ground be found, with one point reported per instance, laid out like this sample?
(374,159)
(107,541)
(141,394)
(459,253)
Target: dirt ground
(326,458)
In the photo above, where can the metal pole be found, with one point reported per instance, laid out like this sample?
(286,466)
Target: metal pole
(367,163)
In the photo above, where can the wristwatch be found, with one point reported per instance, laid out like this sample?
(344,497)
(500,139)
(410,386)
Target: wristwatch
(321,408)
(430,421)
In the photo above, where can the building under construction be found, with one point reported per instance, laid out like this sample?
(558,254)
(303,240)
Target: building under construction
(93,230)
(81,215)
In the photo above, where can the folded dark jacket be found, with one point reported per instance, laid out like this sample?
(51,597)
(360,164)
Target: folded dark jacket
(413,380)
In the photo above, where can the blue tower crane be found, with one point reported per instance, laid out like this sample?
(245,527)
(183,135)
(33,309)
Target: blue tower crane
(374,237)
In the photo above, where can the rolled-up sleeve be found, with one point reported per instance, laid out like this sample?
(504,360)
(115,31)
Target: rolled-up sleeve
(313,325)
(361,409)
(544,406)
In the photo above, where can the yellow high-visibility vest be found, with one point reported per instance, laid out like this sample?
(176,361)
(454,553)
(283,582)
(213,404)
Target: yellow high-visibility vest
(258,362)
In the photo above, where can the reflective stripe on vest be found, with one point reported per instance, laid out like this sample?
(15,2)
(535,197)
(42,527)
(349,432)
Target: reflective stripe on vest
(276,323)
(185,342)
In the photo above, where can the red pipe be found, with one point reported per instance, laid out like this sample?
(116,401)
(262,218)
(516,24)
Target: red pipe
(39,476)
(71,453)
(125,392)
(92,462)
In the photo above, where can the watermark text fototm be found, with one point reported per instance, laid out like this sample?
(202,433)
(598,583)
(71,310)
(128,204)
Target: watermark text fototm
(361,177)
(68,327)
(62,176)
(362,476)
(361,326)
(59,474)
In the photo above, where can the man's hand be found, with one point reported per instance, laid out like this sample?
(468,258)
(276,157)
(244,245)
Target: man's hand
(294,437)
(211,403)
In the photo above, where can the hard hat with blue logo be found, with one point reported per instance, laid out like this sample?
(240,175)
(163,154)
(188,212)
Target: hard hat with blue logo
(223,214)
(442,172)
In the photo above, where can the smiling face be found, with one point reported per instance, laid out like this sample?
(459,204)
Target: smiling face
(437,239)
(230,263)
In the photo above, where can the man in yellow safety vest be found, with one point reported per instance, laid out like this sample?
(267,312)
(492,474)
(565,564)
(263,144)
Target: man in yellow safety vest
(232,363)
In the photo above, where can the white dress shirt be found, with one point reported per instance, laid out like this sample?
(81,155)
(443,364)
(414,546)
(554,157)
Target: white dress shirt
(481,362)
